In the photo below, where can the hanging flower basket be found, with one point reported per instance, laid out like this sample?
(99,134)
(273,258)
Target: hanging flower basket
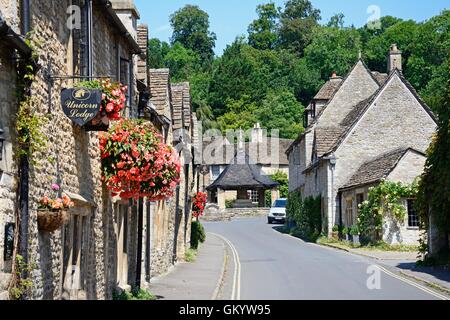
(136,163)
(52,214)
(199,204)
(50,221)
(113,102)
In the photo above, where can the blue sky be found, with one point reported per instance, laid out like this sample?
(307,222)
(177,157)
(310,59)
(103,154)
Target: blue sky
(230,18)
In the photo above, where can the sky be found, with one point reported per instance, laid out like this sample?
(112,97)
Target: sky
(231,18)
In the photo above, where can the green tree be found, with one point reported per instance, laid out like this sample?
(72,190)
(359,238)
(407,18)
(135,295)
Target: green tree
(157,50)
(182,62)
(336,21)
(434,188)
(281,110)
(297,22)
(263,31)
(283,180)
(333,50)
(240,115)
(191,28)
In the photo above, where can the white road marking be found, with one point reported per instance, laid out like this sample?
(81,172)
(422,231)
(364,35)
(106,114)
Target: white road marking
(236,290)
(414,284)
(410,282)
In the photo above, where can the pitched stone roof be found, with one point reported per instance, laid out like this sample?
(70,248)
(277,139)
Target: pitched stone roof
(380,77)
(379,168)
(241,173)
(177,102)
(187,104)
(160,91)
(326,138)
(271,152)
(328,89)
(359,110)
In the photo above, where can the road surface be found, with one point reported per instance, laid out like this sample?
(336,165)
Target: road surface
(274,266)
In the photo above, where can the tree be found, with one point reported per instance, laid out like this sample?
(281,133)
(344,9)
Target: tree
(280,110)
(333,50)
(336,21)
(434,188)
(263,31)
(157,50)
(191,29)
(297,22)
(283,180)
(182,62)
(376,49)
(240,115)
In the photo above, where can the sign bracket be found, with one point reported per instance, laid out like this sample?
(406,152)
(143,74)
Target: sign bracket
(50,79)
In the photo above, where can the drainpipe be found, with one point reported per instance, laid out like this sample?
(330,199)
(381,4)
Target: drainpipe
(26,16)
(24,166)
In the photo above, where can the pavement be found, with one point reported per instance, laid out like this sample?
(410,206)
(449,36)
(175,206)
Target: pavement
(275,266)
(202,279)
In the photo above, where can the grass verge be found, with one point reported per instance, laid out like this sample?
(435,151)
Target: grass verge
(190,255)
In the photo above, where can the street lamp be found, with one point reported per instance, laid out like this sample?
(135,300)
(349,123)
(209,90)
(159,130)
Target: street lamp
(2,140)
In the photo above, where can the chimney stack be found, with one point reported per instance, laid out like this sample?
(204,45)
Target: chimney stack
(257,134)
(394,58)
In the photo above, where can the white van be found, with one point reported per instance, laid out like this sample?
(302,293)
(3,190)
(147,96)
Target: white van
(278,212)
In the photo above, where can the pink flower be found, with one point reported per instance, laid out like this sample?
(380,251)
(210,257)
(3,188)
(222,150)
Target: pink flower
(109,107)
(55,187)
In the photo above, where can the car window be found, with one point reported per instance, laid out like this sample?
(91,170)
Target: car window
(280,204)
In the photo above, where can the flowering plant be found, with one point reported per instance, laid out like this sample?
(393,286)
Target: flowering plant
(113,96)
(55,204)
(199,203)
(136,163)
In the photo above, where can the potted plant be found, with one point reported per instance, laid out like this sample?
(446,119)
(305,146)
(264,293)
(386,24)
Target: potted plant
(354,232)
(335,232)
(136,163)
(52,213)
(345,233)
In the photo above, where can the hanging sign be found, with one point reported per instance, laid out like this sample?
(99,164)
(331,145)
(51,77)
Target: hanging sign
(81,105)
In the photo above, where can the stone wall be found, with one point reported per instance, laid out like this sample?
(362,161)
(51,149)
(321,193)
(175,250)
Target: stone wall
(8,175)
(71,159)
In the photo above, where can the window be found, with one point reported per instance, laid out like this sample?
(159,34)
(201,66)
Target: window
(349,212)
(215,172)
(280,204)
(413,217)
(125,78)
(254,196)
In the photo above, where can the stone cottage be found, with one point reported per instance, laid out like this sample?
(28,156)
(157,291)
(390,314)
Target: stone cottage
(362,128)
(106,243)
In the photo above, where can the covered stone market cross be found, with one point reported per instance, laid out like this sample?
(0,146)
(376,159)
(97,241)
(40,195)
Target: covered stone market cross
(242,175)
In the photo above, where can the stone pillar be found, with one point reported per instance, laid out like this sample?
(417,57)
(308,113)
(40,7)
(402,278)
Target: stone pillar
(221,198)
(275,194)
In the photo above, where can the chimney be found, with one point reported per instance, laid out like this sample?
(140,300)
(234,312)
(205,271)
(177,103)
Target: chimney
(257,134)
(128,13)
(142,70)
(394,58)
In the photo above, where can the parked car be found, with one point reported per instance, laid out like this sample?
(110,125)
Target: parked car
(277,212)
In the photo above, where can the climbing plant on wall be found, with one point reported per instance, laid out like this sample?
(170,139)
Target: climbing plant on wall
(384,200)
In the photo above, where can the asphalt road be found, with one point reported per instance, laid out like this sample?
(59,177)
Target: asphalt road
(279,267)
